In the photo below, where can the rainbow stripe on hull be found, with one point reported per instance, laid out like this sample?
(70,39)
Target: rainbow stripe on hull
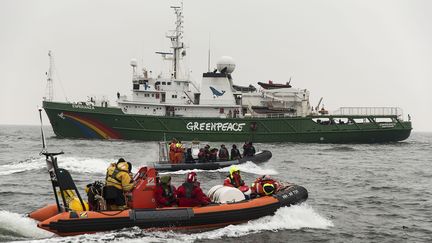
(90,127)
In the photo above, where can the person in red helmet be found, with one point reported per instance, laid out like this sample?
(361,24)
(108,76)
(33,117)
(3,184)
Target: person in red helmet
(189,194)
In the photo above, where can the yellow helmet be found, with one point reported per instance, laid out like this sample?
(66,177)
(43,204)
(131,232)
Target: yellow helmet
(268,188)
(233,169)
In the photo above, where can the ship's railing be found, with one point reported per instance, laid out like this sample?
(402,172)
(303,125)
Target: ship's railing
(274,115)
(369,111)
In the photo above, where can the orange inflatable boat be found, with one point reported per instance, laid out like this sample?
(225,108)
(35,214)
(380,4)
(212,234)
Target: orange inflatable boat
(60,219)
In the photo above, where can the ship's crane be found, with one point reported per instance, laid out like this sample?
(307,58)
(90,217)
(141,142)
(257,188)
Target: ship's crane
(319,103)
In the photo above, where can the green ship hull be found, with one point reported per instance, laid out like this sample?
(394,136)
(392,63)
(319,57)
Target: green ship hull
(72,120)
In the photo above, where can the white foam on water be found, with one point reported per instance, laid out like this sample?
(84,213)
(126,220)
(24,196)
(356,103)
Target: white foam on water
(294,217)
(248,167)
(84,165)
(21,225)
(252,168)
(286,218)
(31,164)
(73,164)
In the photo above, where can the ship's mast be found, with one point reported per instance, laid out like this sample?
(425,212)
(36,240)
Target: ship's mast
(50,87)
(176,37)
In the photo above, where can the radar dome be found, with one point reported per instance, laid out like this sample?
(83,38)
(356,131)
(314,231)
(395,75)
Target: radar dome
(226,62)
(133,62)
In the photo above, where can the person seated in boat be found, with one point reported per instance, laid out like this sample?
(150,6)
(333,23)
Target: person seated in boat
(165,192)
(201,156)
(188,156)
(172,149)
(207,153)
(223,153)
(118,180)
(235,153)
(264,186)
(190,194)
(234,178)
(213,155)
(248,149)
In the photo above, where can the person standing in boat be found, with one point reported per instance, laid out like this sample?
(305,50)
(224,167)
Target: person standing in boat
(172,150)
(165,192)
(118,180)
(235,153)
(190,194)
(223,153)
(178,153)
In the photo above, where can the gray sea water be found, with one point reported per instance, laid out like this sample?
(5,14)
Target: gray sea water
(357,192)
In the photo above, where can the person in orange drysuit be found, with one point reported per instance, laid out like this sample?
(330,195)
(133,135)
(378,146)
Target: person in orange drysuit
(172,149)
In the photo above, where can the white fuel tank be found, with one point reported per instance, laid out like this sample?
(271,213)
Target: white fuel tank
(225,194)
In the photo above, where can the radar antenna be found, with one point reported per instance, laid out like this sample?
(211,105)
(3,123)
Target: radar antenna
(50,85)
(176,37)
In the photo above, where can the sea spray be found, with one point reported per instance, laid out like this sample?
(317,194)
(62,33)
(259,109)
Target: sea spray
(21,226)
(248,167)
(21,166)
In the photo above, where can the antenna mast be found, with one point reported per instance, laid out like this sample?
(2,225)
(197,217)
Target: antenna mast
(50,86)
(176,38)
(208,64)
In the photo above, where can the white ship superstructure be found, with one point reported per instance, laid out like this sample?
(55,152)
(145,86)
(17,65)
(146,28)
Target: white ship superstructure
(175,95)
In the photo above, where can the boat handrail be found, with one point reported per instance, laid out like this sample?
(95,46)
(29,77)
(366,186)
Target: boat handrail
(369,111)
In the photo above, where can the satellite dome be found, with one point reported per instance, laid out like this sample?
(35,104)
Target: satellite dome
(226,62)
(133,62)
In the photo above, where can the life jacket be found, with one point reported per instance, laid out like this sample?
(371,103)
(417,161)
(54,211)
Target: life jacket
(167,191)
(114,171)
(172,147)
(188,189)
(236,183)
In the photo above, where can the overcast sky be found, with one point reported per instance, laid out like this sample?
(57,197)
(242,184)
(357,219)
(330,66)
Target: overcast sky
(352,53)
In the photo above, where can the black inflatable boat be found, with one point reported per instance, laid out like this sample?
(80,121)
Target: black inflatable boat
(259,157)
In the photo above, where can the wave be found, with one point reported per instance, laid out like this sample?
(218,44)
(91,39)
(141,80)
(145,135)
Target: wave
(248,167)
(341,149)
(21,166)
(73,164)
(286,218)
(17,226)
